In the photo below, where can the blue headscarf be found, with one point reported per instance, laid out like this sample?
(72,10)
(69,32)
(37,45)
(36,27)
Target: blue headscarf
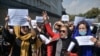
(76,31)
(85,50)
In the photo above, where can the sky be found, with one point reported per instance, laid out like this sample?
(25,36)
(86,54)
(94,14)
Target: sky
(80,6)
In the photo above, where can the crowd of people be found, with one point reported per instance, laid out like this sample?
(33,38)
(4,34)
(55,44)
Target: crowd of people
(48,40)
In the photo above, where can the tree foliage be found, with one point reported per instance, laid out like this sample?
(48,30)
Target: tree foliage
(94,12)
(71,17)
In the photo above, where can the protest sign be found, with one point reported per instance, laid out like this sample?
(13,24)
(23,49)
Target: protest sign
(78,19)
(17,16)
(65,18)
(39,19)
(84,40)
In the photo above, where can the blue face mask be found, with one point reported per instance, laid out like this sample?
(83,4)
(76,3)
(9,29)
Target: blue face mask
(82,33)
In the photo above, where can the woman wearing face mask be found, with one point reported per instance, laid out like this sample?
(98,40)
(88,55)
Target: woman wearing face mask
(83,29)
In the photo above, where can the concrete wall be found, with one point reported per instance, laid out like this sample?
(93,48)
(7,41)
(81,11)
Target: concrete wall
(33,10)
(3,14)
(53,6)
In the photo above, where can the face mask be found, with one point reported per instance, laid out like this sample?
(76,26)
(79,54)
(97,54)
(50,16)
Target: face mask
(82,33)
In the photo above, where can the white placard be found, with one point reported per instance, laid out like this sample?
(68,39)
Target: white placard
(25,24)
(78,19)
(34,23)
(39,19)
(17,16)
(84,40)
(70,47)
(65,18)
(45,39)
(90,20)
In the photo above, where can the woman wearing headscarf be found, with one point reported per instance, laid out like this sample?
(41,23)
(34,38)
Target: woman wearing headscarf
(23,40)
(83,29)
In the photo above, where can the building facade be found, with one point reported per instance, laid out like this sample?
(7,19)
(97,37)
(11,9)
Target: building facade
(53,7)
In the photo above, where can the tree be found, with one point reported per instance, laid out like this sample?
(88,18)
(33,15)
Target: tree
(71,17)
(81,15)
(94,12)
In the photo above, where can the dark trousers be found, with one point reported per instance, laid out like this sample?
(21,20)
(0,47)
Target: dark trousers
(97,51)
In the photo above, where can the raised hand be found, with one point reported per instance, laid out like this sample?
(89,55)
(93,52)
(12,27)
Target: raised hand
(44,14)
(7,18)
(28,19)
(6,22)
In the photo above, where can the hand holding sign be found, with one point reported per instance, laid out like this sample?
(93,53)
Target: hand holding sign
(93,39)
(7,18)
(28,18)
(39,19)
(84,40)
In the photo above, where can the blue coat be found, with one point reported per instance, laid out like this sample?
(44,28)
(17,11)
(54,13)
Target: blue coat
(84,50)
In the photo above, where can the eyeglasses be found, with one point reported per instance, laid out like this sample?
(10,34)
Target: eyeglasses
(59,25)
(62,31)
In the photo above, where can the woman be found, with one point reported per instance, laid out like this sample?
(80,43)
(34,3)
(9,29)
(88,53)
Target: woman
(8,38)
(50,32)
(83,29)
(63,44)
(22,45)
(56,26)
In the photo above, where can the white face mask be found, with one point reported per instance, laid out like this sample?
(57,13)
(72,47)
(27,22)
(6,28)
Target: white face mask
(11,30)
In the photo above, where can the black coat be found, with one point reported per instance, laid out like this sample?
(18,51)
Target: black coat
(8,41)
(66,43)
